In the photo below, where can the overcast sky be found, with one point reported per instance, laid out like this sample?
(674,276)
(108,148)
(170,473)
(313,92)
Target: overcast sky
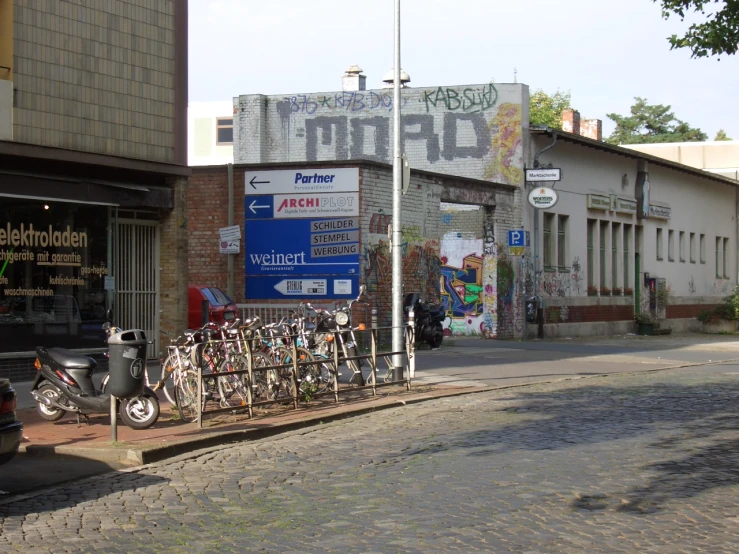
(605,52)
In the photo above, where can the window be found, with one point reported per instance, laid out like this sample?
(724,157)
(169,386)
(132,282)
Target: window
(627,243)
(615,236)
(681,246)
(671,245)
(692,248)
(224,130)
(562,223)
(603,254)
(718,257)
(703,248)
(548,257)
(726,258)
(591,260)
(659,243)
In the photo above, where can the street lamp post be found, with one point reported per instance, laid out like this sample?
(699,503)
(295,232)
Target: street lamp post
(397,235)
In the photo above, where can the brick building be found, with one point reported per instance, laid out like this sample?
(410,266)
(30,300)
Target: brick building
(93,172)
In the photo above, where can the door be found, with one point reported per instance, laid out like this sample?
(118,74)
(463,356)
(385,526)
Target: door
(137,278)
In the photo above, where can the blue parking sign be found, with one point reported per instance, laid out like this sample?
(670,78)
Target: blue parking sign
(519,237)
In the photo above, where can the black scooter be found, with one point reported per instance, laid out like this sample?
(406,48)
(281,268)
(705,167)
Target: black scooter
(428,319)
(64,384)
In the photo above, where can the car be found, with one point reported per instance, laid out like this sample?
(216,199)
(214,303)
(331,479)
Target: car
(11,431)
(221,308)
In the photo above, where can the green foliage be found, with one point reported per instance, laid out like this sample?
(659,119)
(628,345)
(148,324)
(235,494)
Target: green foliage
(645,316)
(650,124)
(728,311)
(718,34)
(721,135)
(547,110)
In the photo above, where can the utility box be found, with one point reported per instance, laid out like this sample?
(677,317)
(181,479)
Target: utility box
(127,363)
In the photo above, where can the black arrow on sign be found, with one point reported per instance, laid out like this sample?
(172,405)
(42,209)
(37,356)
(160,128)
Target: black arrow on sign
(253,182)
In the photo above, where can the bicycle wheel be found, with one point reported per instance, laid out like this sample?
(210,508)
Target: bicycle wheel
(283,387)
(231,389)
(263,380)
(172,364)
(186,395)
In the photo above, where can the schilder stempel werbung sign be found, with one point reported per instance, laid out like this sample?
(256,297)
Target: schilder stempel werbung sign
(543,197)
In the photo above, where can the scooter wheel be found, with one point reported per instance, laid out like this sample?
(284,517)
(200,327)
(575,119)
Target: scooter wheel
(141,412)
(49,413)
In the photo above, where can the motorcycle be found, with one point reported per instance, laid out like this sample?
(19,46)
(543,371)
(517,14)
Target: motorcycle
(64,384)
(428,319)
(336,325)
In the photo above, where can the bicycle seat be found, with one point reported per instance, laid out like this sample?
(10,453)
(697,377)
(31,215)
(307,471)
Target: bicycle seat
(253,323)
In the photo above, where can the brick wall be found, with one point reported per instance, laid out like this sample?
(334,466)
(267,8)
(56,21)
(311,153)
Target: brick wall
(681,311)
(586,314)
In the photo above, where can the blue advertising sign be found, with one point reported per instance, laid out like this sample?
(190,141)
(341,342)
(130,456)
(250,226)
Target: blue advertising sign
(280,287)
(302,246)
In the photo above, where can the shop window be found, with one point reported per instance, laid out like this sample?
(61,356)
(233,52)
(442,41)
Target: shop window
(681,246)
(224,131)
(725,258)
(55,259)
(627,254)
(702,247)
(615,243)
(563,222)
(692,248)
(659,244)
(718,257)
(603,254)
(591,253)
(548,254)
(670,245)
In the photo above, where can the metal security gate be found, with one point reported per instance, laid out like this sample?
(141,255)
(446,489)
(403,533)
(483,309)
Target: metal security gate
(137,278)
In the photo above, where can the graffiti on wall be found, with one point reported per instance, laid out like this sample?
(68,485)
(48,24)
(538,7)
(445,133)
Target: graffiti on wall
(469,99)
(563,283)
(461,291)
(506,144)
(350,101)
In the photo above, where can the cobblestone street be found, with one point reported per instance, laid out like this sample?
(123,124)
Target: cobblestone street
(625,463)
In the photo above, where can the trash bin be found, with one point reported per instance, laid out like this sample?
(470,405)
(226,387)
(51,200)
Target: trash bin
(127,363)
(532,307)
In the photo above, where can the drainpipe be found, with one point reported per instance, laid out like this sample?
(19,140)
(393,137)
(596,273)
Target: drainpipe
(230,272)
(540,314)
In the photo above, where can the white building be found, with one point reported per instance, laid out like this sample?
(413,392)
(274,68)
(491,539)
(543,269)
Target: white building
(720,157)
(210,133)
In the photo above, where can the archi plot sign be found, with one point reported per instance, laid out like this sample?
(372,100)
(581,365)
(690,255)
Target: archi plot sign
(302,233)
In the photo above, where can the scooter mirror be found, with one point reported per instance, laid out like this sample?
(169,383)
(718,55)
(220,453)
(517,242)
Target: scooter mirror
(106,325)
(109,315)
(362,290)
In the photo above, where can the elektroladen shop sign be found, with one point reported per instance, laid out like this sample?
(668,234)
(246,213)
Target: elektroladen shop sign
(543,197)
(599,202)
(626,206)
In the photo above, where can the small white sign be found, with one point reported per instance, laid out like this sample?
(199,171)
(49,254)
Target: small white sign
(543,198)
(230,233)
(550,174)
(302,287)
(292,181)
(229,246)
(109,283)
(289,206)
(342,286)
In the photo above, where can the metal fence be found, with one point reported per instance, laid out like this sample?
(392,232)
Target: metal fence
(232,373)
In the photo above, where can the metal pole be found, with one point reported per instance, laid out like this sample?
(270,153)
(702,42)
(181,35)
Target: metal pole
(200,390)
(397,307)
(113,419)
(410,345)
(230,284)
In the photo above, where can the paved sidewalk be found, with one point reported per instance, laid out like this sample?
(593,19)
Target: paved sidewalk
(462,366)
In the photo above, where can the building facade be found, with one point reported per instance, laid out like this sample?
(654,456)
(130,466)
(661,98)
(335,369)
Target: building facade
(719,157)
(210,133)
(93,172)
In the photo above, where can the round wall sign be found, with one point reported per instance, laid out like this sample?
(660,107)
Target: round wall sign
(543,197)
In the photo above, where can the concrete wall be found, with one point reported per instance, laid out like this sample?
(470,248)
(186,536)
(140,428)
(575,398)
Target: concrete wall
(96,76)
(696,206)
(202,147)
(473,131)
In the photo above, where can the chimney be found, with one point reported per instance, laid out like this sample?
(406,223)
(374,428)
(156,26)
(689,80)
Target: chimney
(571,121)
(592,129)
(389,79)
(353,79)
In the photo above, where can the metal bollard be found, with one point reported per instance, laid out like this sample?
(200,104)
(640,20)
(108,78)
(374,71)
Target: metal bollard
(411,342)
(113,419)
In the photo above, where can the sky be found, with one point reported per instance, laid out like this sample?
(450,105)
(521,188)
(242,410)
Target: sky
(604,52)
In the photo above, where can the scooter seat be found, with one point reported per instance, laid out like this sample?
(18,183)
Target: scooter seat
(71,360)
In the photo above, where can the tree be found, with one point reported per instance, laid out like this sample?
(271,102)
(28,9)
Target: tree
(721,135)
(719,34)
(547,110)
(651,123)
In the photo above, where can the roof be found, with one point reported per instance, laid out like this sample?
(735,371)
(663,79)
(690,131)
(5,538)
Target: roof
(633,154)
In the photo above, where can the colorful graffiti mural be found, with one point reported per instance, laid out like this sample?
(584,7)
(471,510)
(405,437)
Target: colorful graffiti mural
(461,283)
